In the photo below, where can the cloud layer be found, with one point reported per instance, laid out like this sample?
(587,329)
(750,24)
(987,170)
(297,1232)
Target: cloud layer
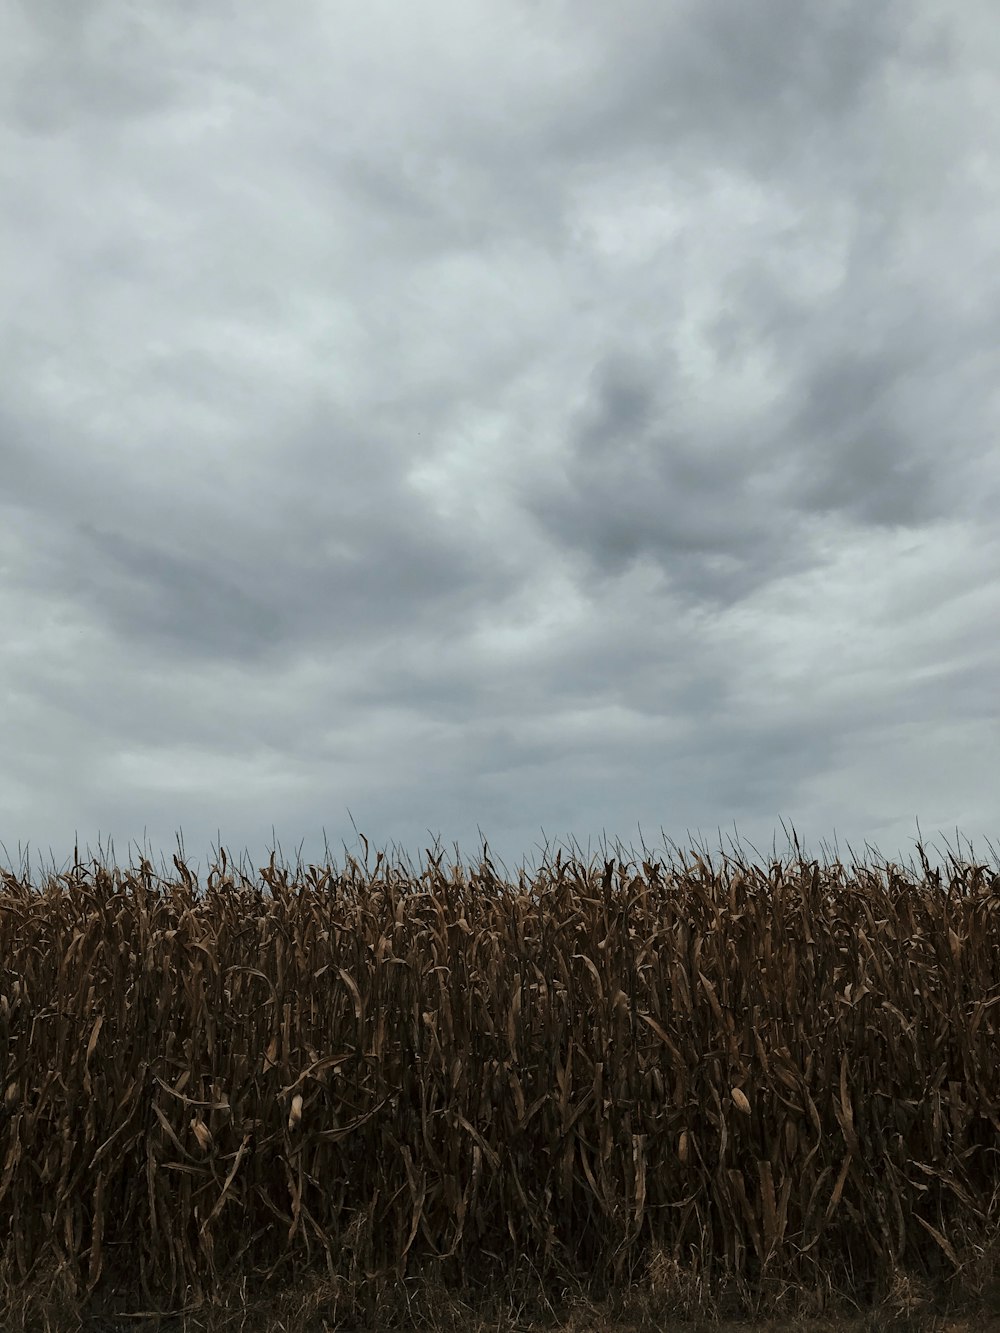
(496,420)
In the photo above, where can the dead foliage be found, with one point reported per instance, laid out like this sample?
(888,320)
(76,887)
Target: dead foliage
(665,1083)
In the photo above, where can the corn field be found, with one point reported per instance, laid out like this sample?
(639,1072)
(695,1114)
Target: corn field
(774,1074)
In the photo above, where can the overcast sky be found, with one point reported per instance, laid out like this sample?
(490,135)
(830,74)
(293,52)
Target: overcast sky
(496,419)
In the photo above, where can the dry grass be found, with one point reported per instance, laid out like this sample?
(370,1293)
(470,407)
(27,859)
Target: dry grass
(604,1097)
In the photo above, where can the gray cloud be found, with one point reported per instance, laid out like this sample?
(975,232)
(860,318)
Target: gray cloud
(552,418)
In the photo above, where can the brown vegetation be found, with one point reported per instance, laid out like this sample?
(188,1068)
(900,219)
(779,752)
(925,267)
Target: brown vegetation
(660,1092)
